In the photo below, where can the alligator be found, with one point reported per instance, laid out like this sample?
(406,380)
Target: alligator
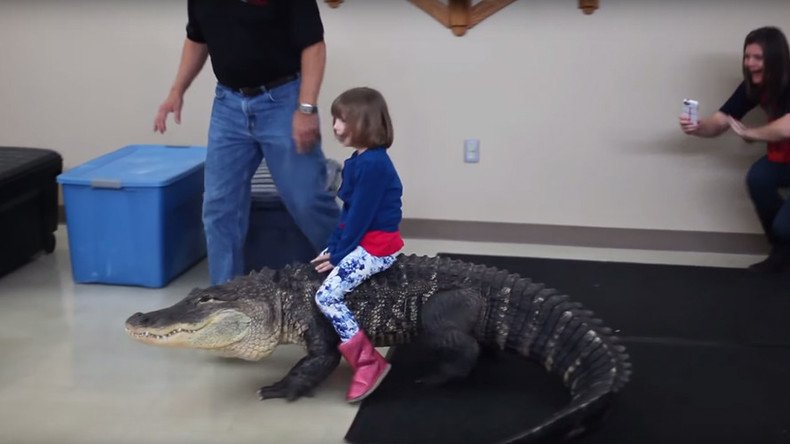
(456,308)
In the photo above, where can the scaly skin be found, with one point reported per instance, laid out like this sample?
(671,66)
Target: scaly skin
(454,307)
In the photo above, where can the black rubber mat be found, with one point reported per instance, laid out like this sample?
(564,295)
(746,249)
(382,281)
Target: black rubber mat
(710,349)
(646,300)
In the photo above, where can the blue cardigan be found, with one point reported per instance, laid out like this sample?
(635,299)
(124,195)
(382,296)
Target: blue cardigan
(371,193)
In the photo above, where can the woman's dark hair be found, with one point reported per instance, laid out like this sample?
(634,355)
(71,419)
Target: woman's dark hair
(366,116)
(776,69)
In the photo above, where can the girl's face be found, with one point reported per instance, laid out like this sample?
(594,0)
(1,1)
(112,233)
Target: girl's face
(341,132)
(753,62)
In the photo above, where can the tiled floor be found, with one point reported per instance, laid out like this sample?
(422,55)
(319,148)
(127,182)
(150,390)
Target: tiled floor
(69,373)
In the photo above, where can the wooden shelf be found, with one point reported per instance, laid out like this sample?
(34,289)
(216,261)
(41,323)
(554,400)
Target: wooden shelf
(461,15)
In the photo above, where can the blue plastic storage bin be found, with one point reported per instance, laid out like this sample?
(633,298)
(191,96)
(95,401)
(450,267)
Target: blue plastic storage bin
(134,215)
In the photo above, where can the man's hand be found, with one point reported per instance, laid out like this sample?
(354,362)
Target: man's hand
(740,129)
(306,131)
(321,263)
(172,104)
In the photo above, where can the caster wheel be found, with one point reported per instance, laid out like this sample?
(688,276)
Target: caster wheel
(49,242)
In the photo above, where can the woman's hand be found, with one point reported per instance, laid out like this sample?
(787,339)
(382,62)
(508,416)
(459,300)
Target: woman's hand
(741,130)
(321,263)
(688,126)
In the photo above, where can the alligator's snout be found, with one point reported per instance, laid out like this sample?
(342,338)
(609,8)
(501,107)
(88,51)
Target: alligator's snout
(138,319)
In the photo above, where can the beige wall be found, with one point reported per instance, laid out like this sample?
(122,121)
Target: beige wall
(577,115)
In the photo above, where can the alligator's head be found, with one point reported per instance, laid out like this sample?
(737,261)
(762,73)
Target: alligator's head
(241,319)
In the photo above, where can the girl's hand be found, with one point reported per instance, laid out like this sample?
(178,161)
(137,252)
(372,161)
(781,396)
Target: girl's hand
(321,262)
(740,129)
(687,125)
(322,257)
(324,267)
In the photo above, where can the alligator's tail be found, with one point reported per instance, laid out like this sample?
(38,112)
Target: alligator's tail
(540,323)
(572,344)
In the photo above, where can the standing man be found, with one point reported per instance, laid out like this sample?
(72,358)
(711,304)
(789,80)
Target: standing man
(268,57)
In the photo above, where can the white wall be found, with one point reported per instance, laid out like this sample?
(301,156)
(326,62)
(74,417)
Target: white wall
(577,114)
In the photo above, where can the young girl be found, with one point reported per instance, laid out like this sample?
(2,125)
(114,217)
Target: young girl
(367,237)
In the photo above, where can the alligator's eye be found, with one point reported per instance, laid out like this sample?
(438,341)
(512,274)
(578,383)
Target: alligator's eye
(205,299)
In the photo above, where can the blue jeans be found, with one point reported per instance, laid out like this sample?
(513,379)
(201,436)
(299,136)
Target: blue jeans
(763,181)
(349,273)
(243,131)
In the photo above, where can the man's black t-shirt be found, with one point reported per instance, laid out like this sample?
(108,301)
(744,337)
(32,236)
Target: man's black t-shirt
(256,41)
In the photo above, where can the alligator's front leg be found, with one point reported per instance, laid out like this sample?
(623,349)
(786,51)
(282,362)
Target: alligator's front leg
(322,358)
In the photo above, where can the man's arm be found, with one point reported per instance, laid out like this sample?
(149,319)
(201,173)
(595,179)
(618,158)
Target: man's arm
(193,57)
(306,129)
(313,64)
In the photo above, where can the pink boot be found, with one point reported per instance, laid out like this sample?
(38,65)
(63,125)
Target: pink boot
(369,366)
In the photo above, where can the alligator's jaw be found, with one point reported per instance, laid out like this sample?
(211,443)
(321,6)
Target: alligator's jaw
(217,332)
(149,337)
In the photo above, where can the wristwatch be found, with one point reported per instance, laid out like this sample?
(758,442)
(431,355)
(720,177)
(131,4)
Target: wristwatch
(308,108)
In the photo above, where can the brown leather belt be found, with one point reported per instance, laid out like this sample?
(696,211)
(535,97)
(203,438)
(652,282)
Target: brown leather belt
(252,91)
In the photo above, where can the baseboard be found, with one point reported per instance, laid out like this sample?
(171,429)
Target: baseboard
(627,238)
(642,239)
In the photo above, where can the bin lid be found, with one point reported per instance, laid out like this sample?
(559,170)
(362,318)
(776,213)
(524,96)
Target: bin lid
(137,166)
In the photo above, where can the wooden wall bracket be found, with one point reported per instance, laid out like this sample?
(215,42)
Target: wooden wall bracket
(461,15)
(587,6)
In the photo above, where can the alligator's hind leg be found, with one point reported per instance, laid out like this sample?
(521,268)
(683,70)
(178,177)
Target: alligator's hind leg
(448,321)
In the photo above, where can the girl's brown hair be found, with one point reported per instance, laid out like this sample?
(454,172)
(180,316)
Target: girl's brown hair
(366,116)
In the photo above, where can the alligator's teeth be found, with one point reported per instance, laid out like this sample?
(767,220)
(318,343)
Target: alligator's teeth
(164,336)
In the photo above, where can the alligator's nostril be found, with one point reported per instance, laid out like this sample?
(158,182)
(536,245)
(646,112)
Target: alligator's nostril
(138,318)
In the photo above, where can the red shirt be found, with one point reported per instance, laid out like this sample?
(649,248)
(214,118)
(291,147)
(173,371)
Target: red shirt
(382,243)
(779,151)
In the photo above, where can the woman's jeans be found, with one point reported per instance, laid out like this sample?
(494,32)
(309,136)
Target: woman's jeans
(764,180)
(244,130)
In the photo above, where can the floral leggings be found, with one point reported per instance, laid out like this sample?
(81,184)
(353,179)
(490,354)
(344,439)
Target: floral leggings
(347,275)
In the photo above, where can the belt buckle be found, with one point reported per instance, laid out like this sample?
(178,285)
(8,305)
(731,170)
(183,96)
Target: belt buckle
(251,91)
